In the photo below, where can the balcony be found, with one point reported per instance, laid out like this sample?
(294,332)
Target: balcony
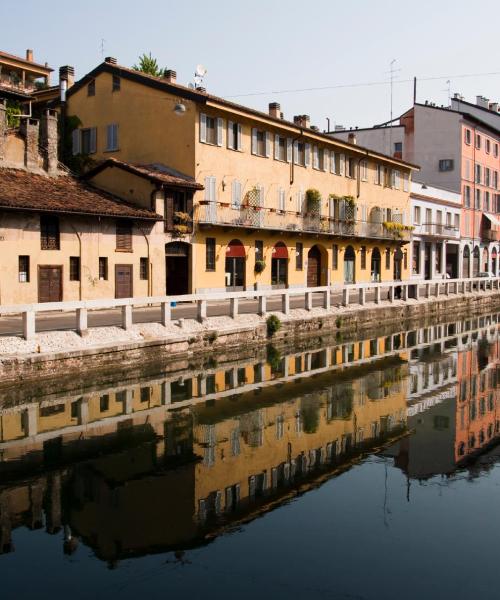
(16,84)
(254,217)
(437,230)
(490,235)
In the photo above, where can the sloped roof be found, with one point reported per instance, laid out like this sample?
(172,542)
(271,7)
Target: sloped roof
(155,172)
(21,190)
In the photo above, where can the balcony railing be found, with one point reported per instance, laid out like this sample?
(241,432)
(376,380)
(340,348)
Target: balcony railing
(251,217)
(437,230)
(491,235)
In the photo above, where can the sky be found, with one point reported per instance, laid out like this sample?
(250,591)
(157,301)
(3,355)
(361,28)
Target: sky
(256,51)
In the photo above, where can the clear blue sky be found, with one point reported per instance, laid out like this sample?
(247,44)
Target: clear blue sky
(271,45)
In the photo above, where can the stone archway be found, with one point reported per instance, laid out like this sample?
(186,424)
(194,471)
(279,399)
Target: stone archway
(317,264)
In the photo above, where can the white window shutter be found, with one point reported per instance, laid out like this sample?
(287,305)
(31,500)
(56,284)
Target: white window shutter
(315,157)
(308,155)
(109,137)
(208,188)
(219,131)
(295,157)
(239,145)
(231,142)
(203,127)
(254,140)
(342,165)
(261,195)
(233,194)
(268,144)
(239,194)
(75,135)
(325,160)
(276,146)
(93,140)
(332,162)
(289,147)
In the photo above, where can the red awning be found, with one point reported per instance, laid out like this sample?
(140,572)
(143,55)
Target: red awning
(280,251)
(235,249)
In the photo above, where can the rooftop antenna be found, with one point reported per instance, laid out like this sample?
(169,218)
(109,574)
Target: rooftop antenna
(448,89)
(392,73)
(199,74)
(102,46)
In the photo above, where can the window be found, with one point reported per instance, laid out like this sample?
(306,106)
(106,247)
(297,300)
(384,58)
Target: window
(495,150)
(74,268)
(395,179)
(446,164)
(112,137)
(478,173)
(416,258)
(416,215)
(467,196)
(104,403)
(378,175)
(259,250)
(319,158)
(143,268)
(351,168)
(487,145)
(124,236)
(210,130)
(88,144)
(282,148)
(260,142)
(495,179)
(457,222)
(281,200)
(335,257)
(210,254)
(448,219)
(116,84)
(299,254)
(486,199)
(363,257)
(387,258)
(103,268)
(478,141)
(302,154)
(91,88)
(487,177)
(398,148)
(478,199)
(234,136)
(24,269)
(49,233)
(467,137)
(363,166)
(236,194)
(145,394)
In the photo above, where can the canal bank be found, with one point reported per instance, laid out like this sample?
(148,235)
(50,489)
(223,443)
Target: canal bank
(155,347)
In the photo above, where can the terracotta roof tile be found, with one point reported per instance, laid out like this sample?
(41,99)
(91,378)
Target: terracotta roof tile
(21,190)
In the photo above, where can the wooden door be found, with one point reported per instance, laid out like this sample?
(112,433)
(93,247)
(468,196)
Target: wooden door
(50,283)
(123,281)
(314,267)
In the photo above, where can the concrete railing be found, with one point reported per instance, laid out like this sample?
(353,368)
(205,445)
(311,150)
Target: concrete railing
(350,294)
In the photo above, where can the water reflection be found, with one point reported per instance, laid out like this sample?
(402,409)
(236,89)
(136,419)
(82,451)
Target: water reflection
(172,462)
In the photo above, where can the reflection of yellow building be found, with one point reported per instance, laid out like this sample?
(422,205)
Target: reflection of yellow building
(282,205)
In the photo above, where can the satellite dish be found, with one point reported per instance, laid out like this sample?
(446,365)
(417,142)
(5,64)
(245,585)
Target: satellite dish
(200,71)
(191,86)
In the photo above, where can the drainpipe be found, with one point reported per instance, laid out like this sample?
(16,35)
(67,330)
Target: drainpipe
(150,269)
(81,261)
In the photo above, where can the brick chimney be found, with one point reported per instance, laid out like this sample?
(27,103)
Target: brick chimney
(111,60)
(3,128)
(170,75)
(30,128)
(351,138)
(29,55)
(302,120)
(275,110)
(67,74)
(48,138)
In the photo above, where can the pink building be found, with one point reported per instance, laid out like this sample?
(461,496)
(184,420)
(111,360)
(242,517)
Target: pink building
(457,148)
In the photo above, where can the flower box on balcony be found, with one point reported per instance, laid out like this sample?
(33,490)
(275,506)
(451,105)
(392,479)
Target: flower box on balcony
(224,204)
(204,202)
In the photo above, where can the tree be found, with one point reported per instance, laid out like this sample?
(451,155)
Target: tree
(149,65)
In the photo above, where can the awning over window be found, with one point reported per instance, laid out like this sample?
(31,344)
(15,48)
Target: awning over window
(493,220)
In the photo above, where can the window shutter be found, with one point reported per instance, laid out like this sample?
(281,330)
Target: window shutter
(332,162)
(325,160)
(203,127)
(213,190)
(289,150)
(239,193)
(254,140)
(342,165)
(236,194)
(276,146)
(93,140)
(296,152)
(207,188)
(308,155)
(76,141)
(109,137)
(231,142)
(219,132)
(268,144)
(169,211)
(239,142)
(315,157)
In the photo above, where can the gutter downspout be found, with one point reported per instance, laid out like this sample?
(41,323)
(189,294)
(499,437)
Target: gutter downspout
(150,269)
(81,261)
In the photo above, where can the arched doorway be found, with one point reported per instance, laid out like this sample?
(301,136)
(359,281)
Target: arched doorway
(466,263)
(314,267)
(349,265)
(485,261)
(376,265)
(475,262)
(279,266)
(398,262)
(235,266)
(177,257)
(494,268)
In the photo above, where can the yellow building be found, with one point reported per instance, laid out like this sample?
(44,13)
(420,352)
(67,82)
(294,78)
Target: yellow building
(283,205)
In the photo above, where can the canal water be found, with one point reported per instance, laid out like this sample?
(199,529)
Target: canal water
(367,469)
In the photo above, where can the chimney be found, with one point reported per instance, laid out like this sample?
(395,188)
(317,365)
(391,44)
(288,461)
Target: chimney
(339,128)
(48,138)
(274,110)
(302,120)
(30,128)
(314,127)
(351,138)
(482,102)
(3,128)
(67,74)
(111,60)
(29,55)
(494,107)
(170,75)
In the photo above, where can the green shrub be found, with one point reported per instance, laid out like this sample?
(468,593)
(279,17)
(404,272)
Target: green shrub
(273,325)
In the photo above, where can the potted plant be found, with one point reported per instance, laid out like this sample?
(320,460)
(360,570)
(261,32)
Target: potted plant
(260,265)
(182,217)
